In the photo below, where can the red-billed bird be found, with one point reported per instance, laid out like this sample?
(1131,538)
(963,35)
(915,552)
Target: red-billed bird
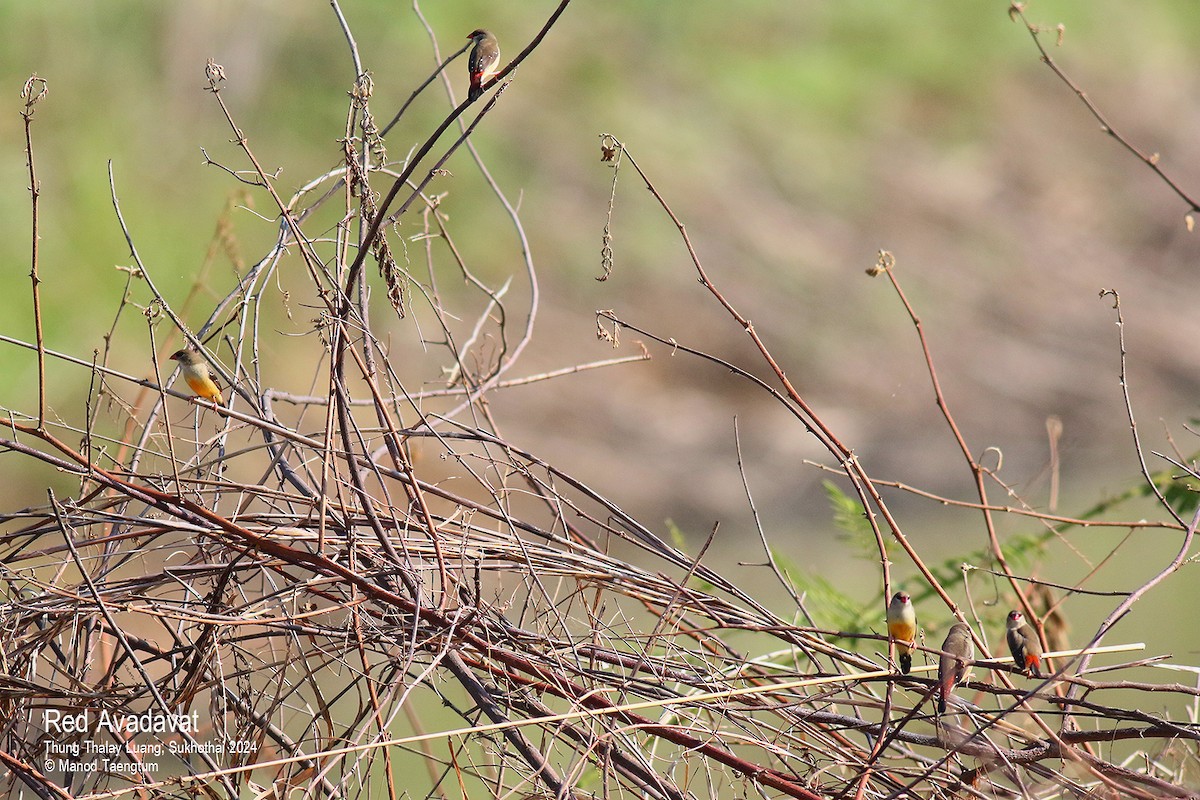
(957,652)
(902,627)
(1024,644)
(484,61)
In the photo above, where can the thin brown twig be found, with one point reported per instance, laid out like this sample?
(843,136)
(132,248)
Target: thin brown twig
(33,92)
(1017,11)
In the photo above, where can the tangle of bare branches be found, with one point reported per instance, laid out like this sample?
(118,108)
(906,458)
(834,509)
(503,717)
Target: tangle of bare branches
(362,587)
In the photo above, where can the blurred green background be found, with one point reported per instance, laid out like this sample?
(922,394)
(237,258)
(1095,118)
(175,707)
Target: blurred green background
(795,139)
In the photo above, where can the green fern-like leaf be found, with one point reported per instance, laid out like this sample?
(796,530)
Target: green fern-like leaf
(850,519)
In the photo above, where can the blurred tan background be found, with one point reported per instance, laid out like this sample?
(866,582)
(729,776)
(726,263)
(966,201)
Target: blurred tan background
(795,140)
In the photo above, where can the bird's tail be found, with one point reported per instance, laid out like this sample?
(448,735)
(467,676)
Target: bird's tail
(947,686)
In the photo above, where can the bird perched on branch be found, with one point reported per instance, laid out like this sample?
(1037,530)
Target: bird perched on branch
(1024,645)
(484,61)
(902,627)
(195,372)
(957,652)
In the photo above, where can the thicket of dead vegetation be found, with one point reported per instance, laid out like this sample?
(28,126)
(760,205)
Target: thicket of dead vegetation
(363,588)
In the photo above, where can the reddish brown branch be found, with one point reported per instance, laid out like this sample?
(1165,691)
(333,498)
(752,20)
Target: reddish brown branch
(1017,11)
